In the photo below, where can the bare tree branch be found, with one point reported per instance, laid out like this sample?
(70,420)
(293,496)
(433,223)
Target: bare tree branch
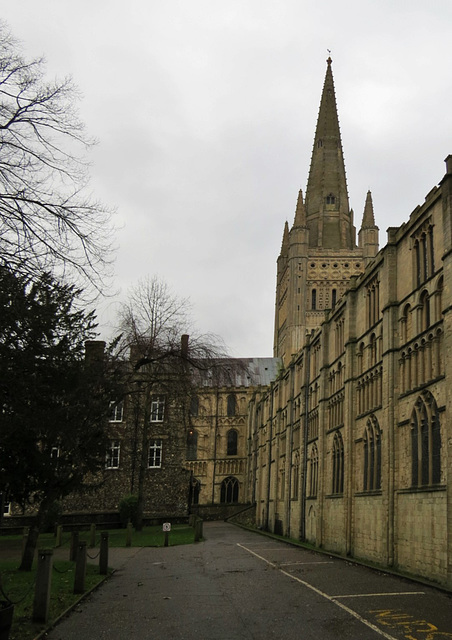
(47,219)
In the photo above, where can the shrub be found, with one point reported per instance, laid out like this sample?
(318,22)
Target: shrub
(128,510)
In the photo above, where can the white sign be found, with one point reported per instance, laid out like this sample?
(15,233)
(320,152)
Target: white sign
(167,526)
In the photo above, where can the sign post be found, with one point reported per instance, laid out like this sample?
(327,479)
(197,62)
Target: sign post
(166,530)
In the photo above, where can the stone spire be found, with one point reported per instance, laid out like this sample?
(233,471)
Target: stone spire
(368,216)
(300,212)
(327,207)
(285,239)
(368,234)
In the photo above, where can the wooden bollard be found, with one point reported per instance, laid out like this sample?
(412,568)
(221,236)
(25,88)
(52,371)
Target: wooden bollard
(198,529)
(41,600)
(129,534)
(24,539)
(80,568)
(59,532)
(74,546)
(92,535)
(103,555)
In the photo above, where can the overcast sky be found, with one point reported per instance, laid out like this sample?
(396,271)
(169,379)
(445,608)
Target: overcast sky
(205,112)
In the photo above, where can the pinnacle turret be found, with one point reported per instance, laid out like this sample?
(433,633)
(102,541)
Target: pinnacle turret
(368,216)
(368,234)
(285,239)
(300,212)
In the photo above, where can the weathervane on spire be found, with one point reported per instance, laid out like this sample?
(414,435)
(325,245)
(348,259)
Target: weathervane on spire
(329,57)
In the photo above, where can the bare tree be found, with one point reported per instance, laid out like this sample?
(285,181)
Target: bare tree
(164,360)
(47,222)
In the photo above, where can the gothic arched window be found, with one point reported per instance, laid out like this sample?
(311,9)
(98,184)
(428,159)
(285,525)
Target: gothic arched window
(331,199)
(372,455)
(229,490)
(194,406)
(232,442)
(338,464)
(425,442)
(424,310)
(232,405)
(314,299)
(192,444)
(195,490)
(313,473)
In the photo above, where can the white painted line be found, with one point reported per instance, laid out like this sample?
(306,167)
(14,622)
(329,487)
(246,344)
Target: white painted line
(373,595)
(324,595)
(291,564)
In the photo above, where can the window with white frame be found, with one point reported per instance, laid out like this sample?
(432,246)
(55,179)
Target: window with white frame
(116,411)
(113,453)
(55,453)
(7,508)
(157,409)
(155,454)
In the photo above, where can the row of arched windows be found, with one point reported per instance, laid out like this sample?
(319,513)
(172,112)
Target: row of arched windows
(421,361)
(229,490)
(427,311)
(231,406)
(425,452)
(318,303)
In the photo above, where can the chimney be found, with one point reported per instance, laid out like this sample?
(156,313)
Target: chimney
(184,345)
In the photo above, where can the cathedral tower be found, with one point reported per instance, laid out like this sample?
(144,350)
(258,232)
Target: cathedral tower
(319,253)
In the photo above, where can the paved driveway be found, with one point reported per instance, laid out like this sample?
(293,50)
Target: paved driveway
(238,585)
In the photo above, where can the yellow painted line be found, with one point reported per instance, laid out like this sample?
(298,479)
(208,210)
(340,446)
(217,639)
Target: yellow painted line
(324,595)
(372,595)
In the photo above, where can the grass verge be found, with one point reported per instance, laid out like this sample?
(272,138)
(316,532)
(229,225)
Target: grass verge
(19,585)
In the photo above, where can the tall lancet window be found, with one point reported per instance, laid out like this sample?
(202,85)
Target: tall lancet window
(314,299)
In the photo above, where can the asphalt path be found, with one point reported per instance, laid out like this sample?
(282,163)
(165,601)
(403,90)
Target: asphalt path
(239,585)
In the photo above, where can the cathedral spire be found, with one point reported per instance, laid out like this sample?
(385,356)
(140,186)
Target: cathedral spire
(327,206)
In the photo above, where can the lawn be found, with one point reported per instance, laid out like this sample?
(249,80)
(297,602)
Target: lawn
(19,585)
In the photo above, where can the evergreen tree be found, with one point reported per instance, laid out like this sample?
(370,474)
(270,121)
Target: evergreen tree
(54,399)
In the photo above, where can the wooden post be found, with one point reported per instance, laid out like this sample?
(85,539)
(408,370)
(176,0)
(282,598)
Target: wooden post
(92,535)
(198,529)
(103,556)
(42,590)
(80,568)
(24,539)
(59,532)
(74,546)
(129,534)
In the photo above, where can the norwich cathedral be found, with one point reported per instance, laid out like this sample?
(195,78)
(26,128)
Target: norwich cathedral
(342,438)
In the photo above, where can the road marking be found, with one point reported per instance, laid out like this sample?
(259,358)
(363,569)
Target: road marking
(372,595)
(321,593)
(291,564)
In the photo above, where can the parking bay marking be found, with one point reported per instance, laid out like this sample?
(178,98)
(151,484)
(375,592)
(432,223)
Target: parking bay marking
(376,595)
(321,593)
